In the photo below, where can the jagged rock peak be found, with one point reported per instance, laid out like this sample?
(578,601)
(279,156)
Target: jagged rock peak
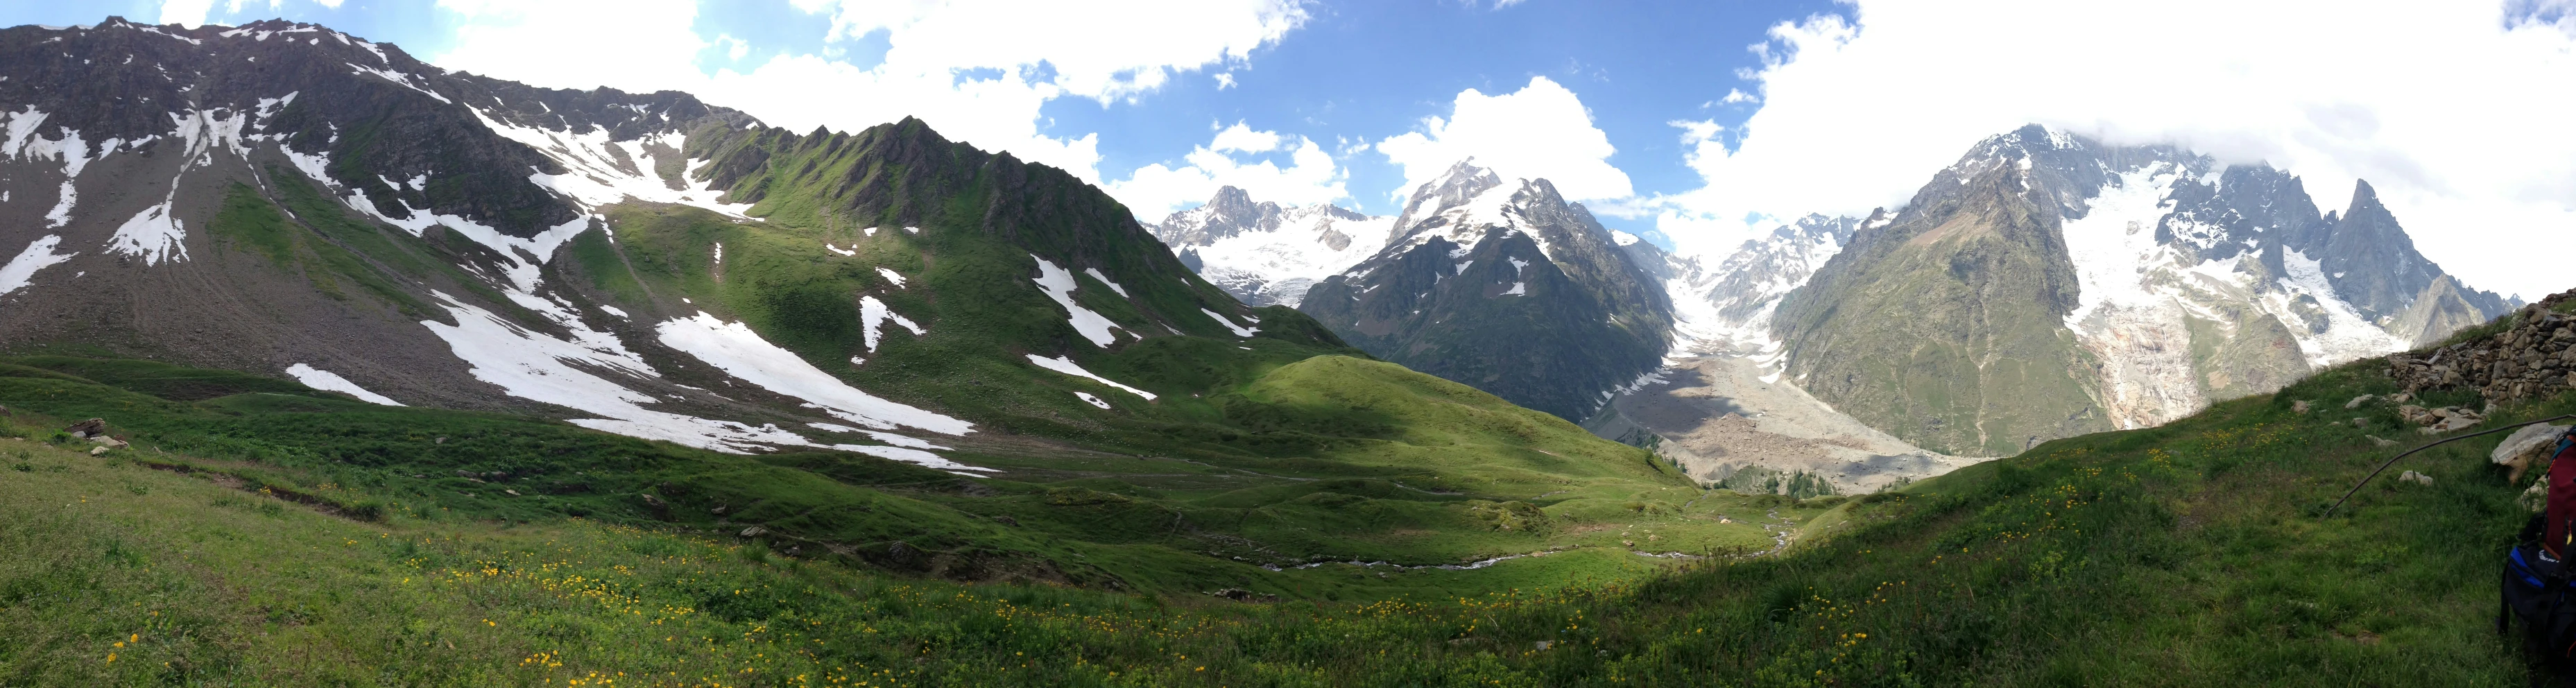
(1461,183)
(1231,201)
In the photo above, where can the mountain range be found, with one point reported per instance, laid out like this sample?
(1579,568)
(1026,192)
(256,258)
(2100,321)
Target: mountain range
(2048,285)
(283,199)
(320,365)
(2044,285)
(892,347)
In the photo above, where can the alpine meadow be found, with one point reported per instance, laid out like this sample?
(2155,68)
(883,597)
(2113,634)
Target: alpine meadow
(1274,343)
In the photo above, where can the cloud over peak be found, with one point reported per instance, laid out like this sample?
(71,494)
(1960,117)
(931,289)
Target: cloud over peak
(2453,110)
(1539,131)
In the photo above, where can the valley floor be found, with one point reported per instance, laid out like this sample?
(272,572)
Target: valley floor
(1716,415)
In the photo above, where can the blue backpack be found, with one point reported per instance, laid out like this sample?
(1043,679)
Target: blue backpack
(2537,586)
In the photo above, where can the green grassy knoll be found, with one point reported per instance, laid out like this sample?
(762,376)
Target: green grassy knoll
(2189,554)
(1447,476)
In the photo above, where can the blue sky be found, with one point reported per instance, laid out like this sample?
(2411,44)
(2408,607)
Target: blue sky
(1697,123)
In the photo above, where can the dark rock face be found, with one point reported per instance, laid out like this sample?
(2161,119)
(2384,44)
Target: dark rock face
(1508,288)
(139,154)
(373,114)
(2373,263)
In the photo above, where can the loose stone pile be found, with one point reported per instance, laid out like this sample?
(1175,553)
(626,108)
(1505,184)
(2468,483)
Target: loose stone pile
(2531,359)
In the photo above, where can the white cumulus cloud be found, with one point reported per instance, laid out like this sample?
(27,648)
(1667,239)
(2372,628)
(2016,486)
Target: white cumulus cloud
(188,13)
(632,45)
(1540,131)
(976,70)
(1231,158)
(2455,111)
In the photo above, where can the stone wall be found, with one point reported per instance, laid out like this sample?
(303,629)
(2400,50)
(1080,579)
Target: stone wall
(2532,358)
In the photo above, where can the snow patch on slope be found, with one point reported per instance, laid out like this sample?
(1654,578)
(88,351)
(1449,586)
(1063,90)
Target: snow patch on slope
(541,368)
(39,254)
(1104,279)
(2348,335)
(1058,285)
(1239,330)
(740,352)
(874,314)
(914,456)
(318,378)
(594,176)
(1065,364)
(152,234)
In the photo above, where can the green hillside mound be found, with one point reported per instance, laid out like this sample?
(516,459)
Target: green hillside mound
(2190,554)
(1328,459)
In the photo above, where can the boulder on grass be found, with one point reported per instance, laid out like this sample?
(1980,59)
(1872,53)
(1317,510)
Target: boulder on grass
(2526,448)
(87,429)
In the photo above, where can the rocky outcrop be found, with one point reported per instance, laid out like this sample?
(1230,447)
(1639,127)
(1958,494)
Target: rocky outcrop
(2530,356)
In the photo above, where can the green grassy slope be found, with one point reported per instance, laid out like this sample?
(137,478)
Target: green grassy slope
(2189,554)
(1325,459)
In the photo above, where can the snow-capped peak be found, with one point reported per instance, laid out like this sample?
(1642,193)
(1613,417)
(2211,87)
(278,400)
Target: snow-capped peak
(1265,253)
(1467,202)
